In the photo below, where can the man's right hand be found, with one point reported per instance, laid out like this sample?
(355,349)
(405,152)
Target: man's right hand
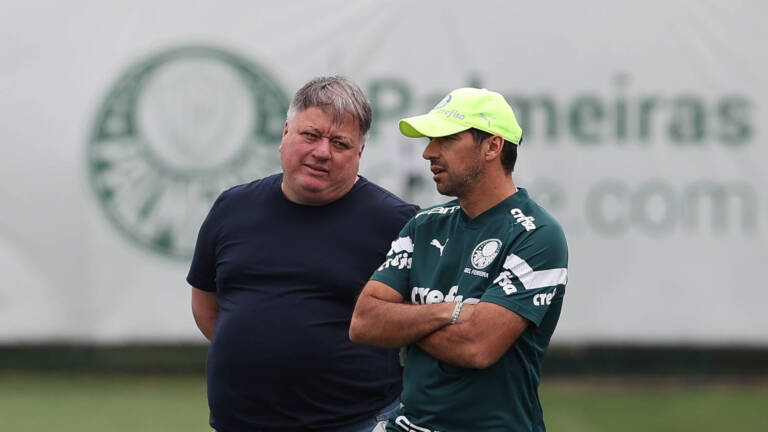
(382,318)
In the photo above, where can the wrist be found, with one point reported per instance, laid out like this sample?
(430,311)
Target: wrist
(456,312)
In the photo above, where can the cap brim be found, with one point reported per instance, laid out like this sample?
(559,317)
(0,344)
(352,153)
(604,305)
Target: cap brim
(430,126)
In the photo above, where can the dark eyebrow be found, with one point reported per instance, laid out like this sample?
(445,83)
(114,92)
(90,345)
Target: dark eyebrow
(344,138)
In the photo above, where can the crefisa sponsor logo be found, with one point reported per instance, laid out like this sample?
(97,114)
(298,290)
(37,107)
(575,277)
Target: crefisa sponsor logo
(525,221)
(400,254)
(422,295)
(544,299)
(174,131)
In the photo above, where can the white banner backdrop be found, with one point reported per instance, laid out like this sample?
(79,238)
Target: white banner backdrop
(121,122)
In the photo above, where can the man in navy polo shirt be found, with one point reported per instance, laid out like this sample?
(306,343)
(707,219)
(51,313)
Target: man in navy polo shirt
(277,267)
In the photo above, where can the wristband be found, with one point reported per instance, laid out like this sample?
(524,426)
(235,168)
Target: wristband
(456,312)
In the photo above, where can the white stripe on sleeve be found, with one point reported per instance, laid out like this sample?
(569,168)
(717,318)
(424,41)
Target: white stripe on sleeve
(534,279)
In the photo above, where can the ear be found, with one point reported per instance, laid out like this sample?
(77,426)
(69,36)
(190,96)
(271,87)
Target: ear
(285,132)
(362,147)
(493,147)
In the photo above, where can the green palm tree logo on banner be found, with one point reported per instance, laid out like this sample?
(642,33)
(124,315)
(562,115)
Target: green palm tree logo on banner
(175,131)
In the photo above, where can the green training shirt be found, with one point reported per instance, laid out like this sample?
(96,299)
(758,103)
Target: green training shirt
(514,255)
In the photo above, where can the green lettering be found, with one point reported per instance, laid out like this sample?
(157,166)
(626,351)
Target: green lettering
(688,120)
(524,108)
(585,116)
(719,198)
(608,196)
(621,107)
(474,81)
(646,107)
(653,208)
(549,194)
(390,99)
(431,100)
(548,103)
(735,128)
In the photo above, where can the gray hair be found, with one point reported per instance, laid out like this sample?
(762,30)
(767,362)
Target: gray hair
(337,95)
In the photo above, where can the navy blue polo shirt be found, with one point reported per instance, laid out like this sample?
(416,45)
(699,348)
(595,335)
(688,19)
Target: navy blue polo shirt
(286,277)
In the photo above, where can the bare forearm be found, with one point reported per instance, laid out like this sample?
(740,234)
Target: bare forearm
(480,338)
(390,325)
(206,324)
(452,344)
(205,309)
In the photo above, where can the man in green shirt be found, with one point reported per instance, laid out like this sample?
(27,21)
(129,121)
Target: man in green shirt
(472,288)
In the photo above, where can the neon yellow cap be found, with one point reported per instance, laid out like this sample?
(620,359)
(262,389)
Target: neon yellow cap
(462,109)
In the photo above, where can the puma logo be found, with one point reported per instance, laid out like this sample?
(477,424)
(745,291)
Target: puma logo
(437,244)
(485,118)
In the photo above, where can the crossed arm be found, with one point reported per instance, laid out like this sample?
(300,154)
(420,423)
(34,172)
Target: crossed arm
(479,338)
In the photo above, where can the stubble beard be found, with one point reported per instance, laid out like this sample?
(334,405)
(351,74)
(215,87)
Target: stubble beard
(463,184)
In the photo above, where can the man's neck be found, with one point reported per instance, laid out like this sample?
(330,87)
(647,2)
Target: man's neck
(487,194)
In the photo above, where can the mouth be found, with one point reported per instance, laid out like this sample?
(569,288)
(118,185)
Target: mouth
(317,169)
(436,170)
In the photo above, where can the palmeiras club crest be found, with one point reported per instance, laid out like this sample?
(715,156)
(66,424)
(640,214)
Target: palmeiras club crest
(485,252)
(176,130)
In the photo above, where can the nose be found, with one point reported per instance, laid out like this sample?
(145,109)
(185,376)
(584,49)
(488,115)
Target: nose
(322,149)
(431,151)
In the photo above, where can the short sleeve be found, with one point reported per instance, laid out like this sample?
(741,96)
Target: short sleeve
(533,275)
(202,271)
(395,271)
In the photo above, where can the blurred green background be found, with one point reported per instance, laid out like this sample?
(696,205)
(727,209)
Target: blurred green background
(159,402)
(584,389)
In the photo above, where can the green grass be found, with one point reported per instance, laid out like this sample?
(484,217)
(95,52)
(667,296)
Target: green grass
(116,403)
(85,403)
(636,407)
